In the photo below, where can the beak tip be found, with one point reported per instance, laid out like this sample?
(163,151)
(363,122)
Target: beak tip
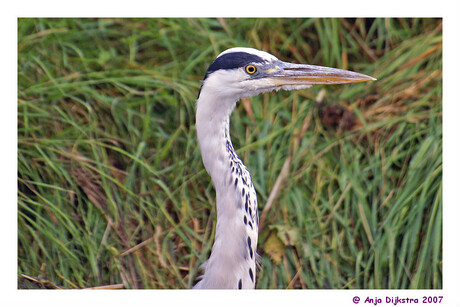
(366,78)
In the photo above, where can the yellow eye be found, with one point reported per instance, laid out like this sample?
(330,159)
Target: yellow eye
(251,69)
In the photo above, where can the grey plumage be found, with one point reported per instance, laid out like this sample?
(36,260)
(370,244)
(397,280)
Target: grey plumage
(238,73)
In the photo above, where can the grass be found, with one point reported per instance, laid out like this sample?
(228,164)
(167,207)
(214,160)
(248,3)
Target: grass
(112,190)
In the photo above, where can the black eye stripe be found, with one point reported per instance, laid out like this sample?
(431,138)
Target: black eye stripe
(233,60)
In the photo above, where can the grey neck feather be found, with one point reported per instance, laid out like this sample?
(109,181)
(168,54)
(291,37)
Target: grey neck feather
(232,261)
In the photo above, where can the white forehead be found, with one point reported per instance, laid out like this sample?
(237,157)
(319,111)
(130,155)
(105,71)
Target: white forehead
(262,54)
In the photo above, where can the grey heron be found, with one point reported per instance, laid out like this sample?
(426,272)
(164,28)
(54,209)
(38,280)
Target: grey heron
(237,73)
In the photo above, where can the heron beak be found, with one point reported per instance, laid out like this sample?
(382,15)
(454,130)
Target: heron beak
(300,74)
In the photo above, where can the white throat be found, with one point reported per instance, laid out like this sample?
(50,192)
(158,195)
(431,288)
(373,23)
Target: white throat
(232,262)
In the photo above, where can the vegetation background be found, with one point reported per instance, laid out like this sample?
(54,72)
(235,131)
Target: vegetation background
(112,190)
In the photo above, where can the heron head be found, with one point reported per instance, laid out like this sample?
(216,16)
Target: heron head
(244,72)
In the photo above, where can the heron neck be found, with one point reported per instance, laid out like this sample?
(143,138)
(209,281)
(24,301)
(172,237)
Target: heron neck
(212,127)
(232,260)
